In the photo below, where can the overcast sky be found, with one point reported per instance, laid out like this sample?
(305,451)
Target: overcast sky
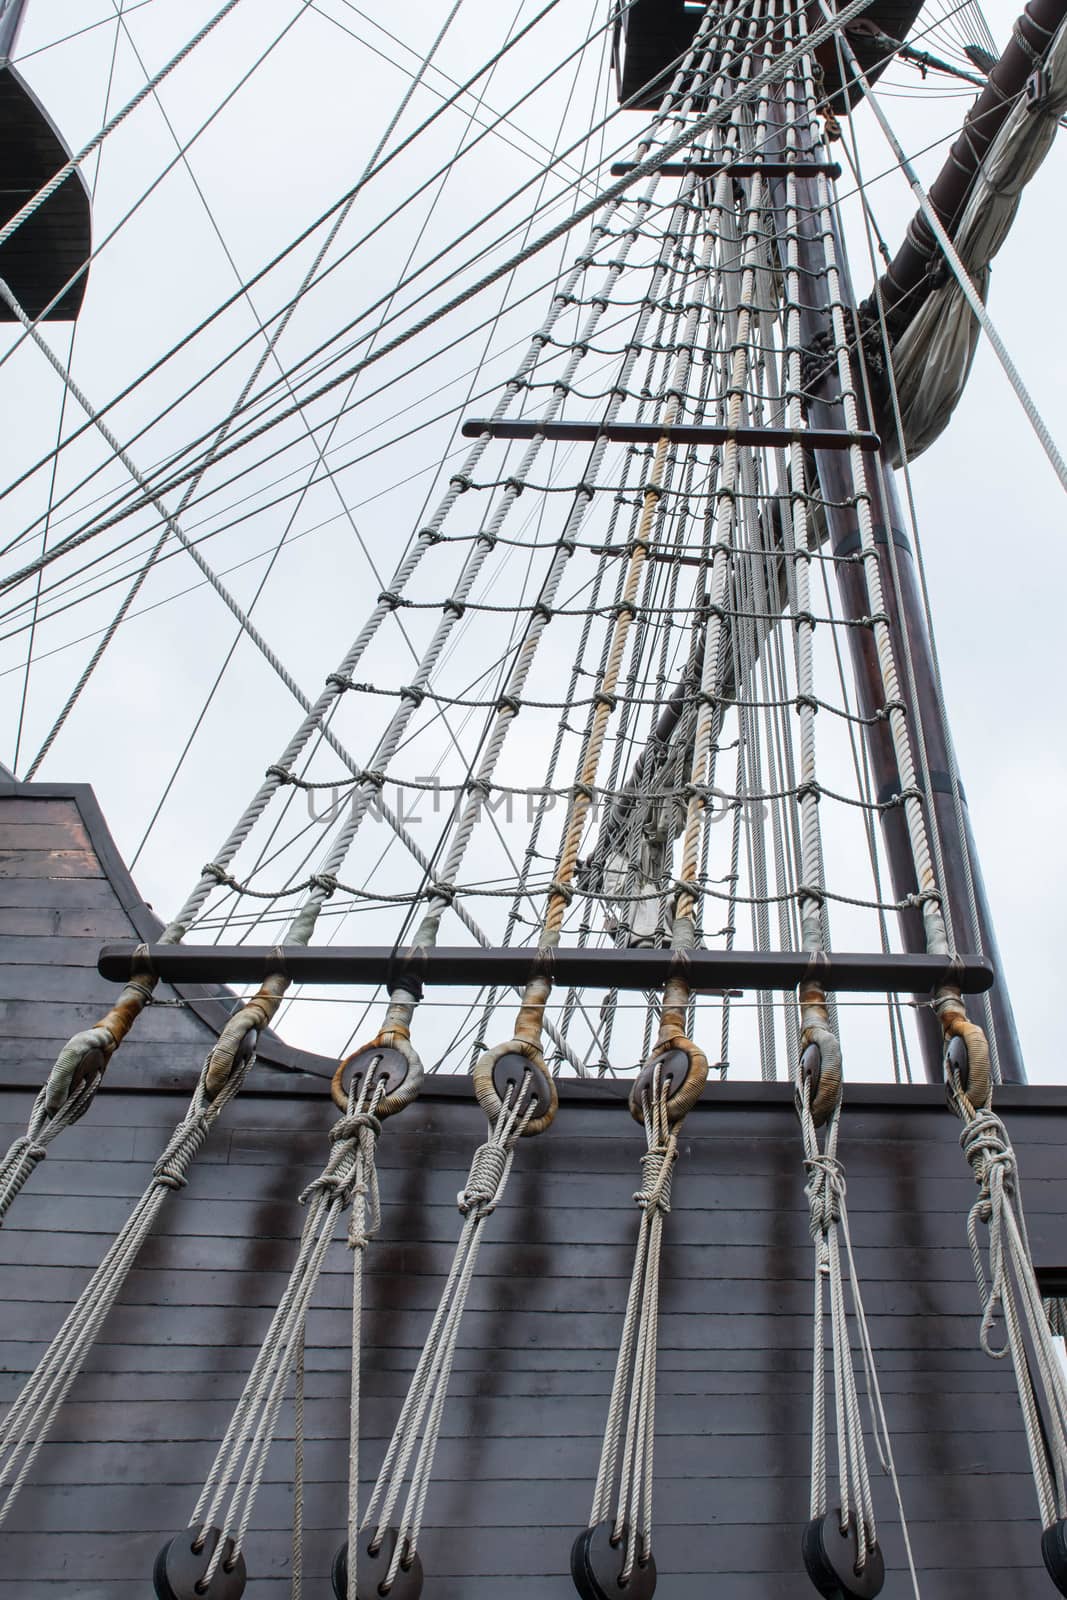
(295,136)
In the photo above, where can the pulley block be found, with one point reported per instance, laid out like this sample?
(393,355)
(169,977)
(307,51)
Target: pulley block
(372,1570)
(957,1061)
(508,1073)
(673,1066)
(181,1565)
(683,1072)
(1054,1550)
(832,1560)
(597,1563)
(382,1063)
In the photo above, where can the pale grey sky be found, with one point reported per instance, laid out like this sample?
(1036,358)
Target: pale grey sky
(991,512)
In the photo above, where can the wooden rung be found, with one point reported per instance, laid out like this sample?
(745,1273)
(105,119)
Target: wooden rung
(736,169)
(677,433)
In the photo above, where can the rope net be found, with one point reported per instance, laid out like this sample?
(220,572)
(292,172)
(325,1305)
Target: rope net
(630,660)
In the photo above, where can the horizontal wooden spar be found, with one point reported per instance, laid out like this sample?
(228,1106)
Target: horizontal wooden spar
(875,973)
(736,169)
(676,433)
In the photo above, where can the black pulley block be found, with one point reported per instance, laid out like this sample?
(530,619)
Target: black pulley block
(597,1563)
(181,1564)
(673,1070)
(384,1064)
(1054,1550)
(372,1569)
(509,1072)
(957,1061)
(811,1068)
(832,1560)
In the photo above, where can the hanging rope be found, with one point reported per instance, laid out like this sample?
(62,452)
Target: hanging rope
(616,1549)
(388,1562)
(840,1546)
(213,1542)
(29,1421)
(1008,1291)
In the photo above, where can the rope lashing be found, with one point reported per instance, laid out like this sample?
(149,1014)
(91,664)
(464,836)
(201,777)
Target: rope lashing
(386,1542)
(28,1423)
(214,1539)
(615,1550)
(1008,1291)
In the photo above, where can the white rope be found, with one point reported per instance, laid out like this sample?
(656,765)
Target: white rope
(36,201)
(27,1424)
(625,1472)
(418,1425)
(1009,1291)
(31,1147)
(241,1459)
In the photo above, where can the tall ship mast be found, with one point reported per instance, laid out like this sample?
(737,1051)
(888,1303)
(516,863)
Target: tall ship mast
(528,1099)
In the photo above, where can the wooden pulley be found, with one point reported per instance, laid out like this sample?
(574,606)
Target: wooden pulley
(683,1072)
(597,1561)
(372,1569)
(383,1064)
(832,1560)
(181,1565)
(819,1076)
(966,1059)
(508,1066)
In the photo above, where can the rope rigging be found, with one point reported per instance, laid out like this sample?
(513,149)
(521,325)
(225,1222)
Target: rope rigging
(615,1550)
(645,516)
(380,1084)
(1008,1291)
(32,1415)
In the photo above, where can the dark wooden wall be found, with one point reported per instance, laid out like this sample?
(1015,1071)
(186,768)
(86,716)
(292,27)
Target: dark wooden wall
(528,1399)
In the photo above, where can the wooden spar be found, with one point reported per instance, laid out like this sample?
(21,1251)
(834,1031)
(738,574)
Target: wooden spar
(907,280)
(906,618)
(632,968)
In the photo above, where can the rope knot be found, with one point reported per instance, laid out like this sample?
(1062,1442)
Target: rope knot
(350,1127)
(211,869)
(172,1169)
(657,1167)
(326,881)
(825,1190)
(989,1152)
(489,1169)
